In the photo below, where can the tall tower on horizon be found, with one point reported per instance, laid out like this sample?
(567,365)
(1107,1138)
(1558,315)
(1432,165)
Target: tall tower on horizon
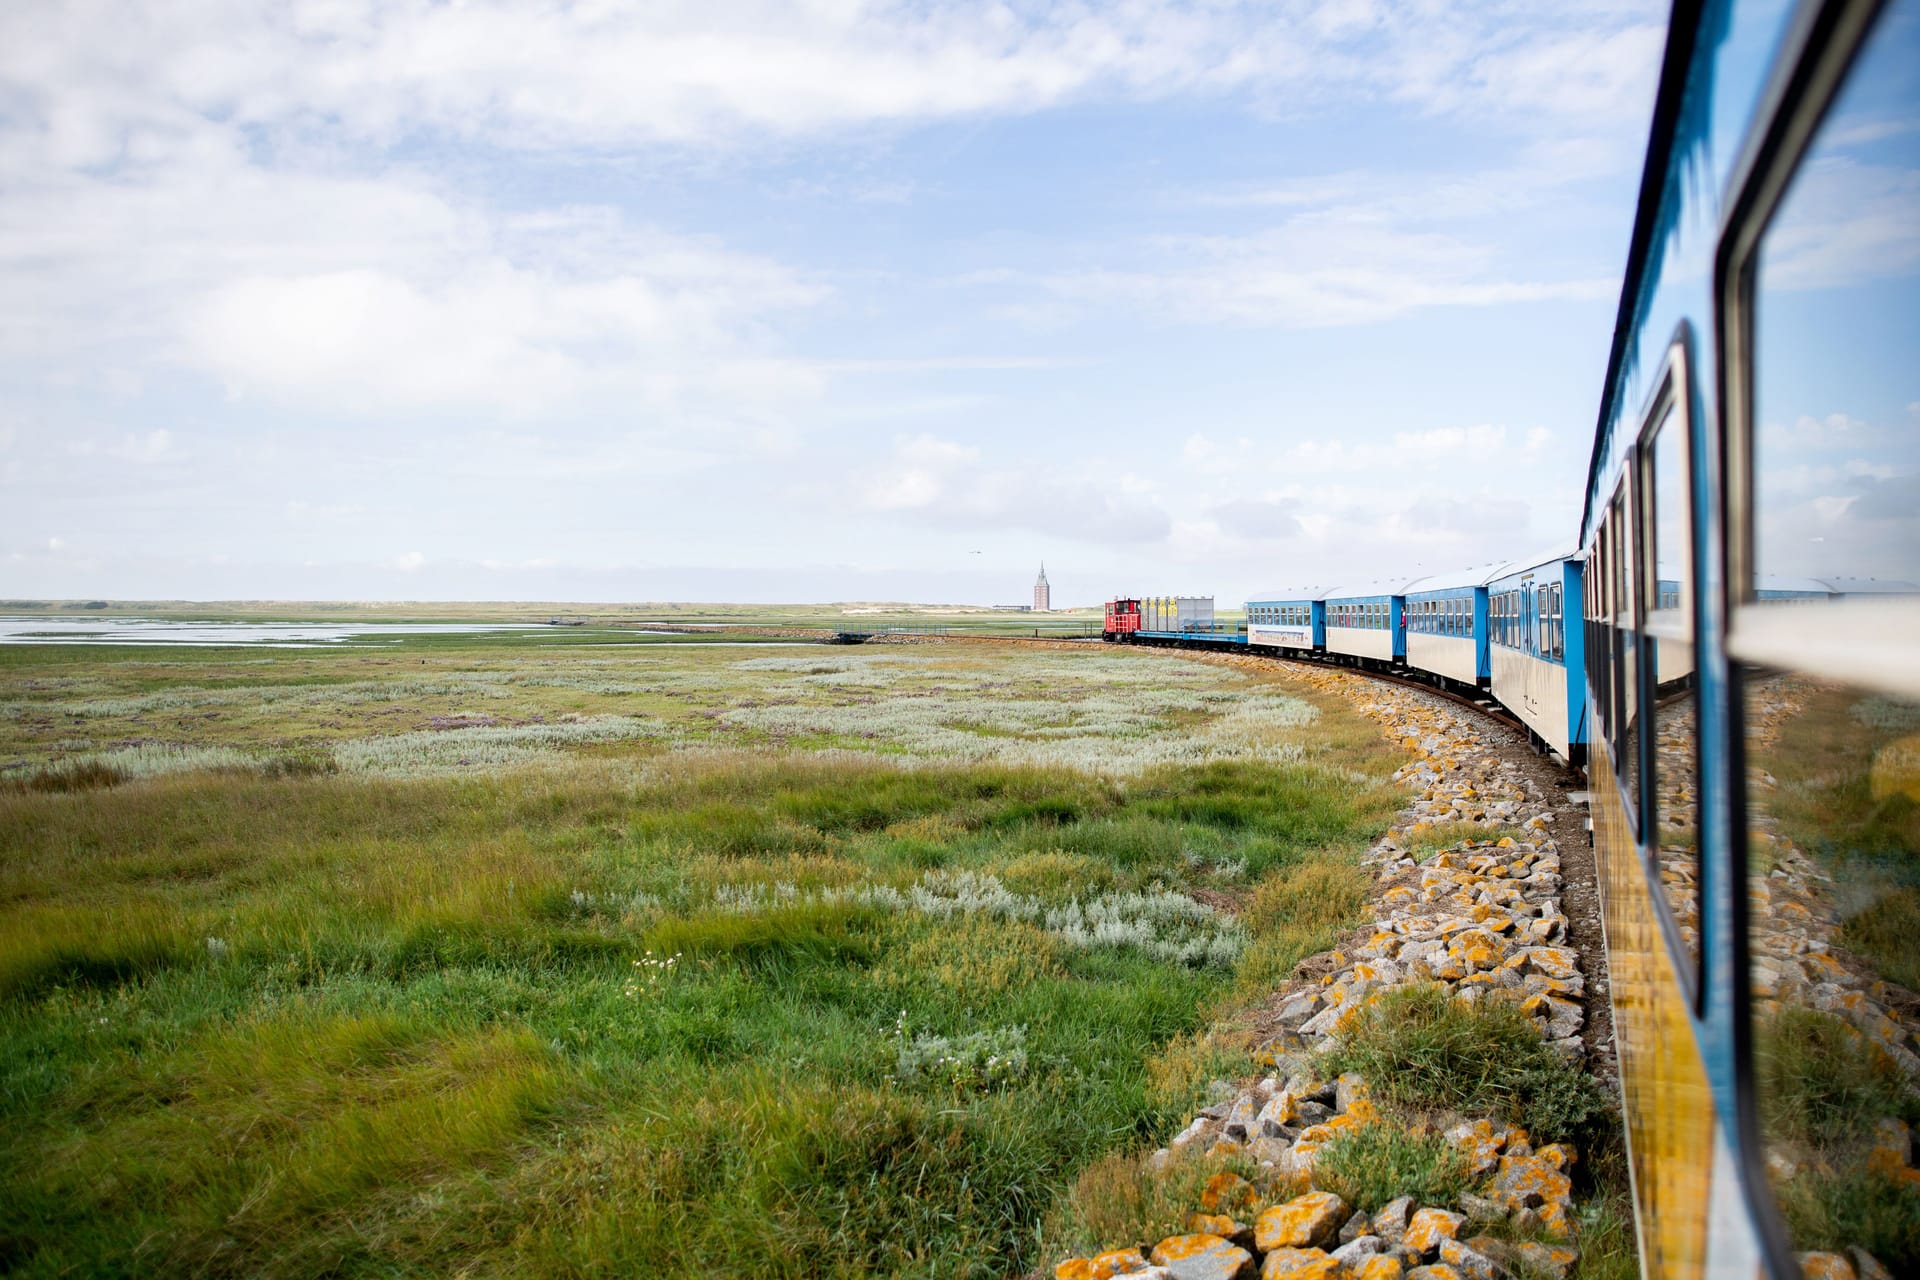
(1042,593)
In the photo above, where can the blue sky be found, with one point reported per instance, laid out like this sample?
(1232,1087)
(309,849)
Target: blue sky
(801,302)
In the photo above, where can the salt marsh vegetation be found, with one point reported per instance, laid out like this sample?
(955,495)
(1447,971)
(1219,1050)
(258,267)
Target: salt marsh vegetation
(656,961)
(1098,712)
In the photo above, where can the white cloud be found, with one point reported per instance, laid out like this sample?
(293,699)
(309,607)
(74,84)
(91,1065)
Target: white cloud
(145,447)
(96,74)
(364,293)
(1406,457)
(945,484)
(409,561)
(1318,270)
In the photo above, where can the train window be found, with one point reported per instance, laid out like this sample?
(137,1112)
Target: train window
(1599,663)
(1625,653)
(1827,477)
(1665,491)
(1666,577)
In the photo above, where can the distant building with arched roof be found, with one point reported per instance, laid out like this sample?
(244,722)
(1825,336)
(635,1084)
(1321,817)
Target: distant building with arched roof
(1042,593)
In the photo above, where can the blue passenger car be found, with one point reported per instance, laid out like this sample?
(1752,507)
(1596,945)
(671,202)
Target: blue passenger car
(1533,636)
(1752,707)
(1365,621)
(1292,618)
(1447,625)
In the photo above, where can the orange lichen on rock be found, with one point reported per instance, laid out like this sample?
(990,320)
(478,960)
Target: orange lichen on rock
(1302,1222)
(1215,1224)
(1381,1266)
(1102,1266)
(1532,1182)
(1203,1257)
(1826,1266)
(1430,1226)
(1301,1264)
(1551,1260)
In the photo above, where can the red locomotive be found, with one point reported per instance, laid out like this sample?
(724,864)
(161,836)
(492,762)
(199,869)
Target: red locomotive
(1123,619)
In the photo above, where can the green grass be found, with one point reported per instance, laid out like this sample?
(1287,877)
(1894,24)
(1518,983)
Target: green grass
(1371,1165)
(304,1023)
(1117,1201)
(1423,1050)
(1836,1211)
(1822,1083)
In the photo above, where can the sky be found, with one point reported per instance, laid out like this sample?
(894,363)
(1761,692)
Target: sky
(802,301)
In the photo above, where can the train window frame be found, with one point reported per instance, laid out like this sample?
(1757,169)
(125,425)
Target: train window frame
(1669,407)
(1812,66)
(1624,641)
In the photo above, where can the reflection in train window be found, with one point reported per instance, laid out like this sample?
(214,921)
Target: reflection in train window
(1673,833)
(1832,736)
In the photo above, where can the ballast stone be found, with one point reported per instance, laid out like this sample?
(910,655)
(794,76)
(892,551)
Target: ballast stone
(1102,1266)
(1301,1264)
(1202,1257)
(1429,1227)
(1306,1221)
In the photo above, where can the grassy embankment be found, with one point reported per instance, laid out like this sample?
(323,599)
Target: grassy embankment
(413,978)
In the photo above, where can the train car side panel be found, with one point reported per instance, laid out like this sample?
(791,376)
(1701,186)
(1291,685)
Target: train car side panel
(1455,657)
(1536,691)
(1669,1106)
(1361,642)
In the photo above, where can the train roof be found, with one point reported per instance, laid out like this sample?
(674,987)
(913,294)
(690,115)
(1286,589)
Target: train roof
(1527,563)
(1477,576)
(1288,594)
(1377,587)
